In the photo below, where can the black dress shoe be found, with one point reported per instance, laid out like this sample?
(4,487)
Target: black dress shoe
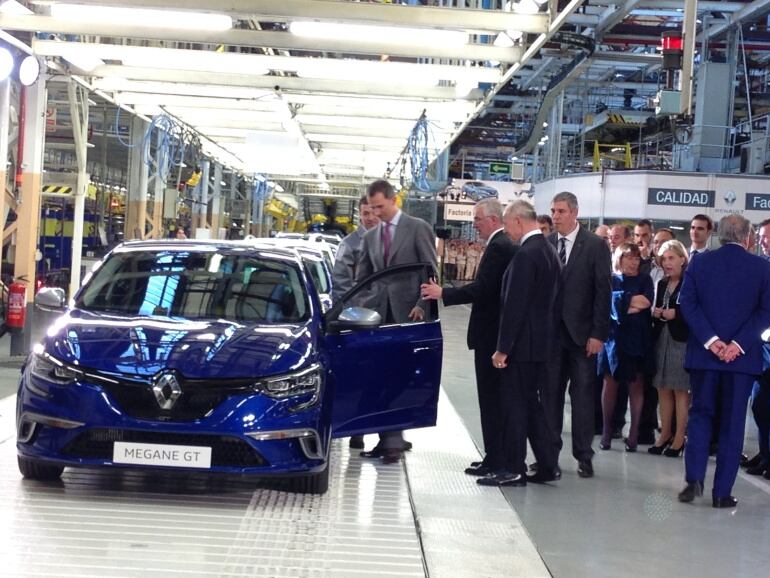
(751,463)
(728,502)
(543,476)
(391,456)
(502,479)
(757,470)
(479,470)
(374,453)
(658,450)
(745,462)
(533,466)
(585,469)
(691,491)
(477,464)
(672,452)
(557,472)
(357,442)
(378,452)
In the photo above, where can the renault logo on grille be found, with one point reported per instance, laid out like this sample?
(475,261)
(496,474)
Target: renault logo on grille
(166,389)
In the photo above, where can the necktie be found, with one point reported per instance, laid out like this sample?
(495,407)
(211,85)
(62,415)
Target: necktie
(386,241)
(563,250)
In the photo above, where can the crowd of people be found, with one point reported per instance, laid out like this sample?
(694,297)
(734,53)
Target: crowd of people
(620,318)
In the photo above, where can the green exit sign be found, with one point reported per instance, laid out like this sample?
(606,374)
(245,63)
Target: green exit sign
(500,168)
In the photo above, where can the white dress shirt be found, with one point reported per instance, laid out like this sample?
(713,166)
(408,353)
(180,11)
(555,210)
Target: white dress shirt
(570,242)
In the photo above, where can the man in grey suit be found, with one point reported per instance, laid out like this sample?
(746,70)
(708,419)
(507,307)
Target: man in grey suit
(583,326)
(349,251)
(399,239)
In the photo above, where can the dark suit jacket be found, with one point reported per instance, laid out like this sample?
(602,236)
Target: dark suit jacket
(484,292)
(528,315)
(726,293)
(585,289)
(677,327)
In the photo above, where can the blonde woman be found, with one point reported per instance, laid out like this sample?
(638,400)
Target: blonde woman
(671,332)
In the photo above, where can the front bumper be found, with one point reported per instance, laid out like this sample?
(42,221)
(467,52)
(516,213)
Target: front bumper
(78,425)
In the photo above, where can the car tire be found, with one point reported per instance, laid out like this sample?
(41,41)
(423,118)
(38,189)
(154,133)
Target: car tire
(312,484)
(37,470)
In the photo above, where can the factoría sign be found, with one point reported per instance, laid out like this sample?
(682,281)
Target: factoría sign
(757,202)
(680,197)
(456,212)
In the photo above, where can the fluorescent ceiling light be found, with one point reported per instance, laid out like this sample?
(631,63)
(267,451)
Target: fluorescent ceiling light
(391,34)
(142,17)
(199,60)
(14,8)
(173,88)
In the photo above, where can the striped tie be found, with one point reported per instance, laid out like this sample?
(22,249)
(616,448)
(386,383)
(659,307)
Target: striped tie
(563,250)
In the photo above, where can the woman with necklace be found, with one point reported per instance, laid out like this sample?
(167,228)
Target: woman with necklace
(671,332)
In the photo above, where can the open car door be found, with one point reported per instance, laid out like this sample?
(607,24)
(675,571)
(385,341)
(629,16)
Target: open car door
(385,376)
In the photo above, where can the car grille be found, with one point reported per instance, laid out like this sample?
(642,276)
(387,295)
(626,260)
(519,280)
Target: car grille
(198,398)
(226,451)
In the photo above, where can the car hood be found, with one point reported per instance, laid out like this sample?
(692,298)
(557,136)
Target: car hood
(141,346)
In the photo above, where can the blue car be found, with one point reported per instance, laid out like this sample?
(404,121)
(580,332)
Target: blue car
(476,190)
(218,357)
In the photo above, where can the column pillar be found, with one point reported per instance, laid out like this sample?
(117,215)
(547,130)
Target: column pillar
(28,215)
(203,196)
(79,115)
(216,209)
(136,203)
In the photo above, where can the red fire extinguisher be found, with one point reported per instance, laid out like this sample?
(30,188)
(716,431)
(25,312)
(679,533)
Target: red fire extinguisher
(17,305)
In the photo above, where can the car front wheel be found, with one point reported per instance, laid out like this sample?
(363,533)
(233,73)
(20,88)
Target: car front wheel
(37,470)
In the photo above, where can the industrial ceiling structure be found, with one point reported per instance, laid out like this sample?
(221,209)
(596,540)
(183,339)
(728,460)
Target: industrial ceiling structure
(326,92)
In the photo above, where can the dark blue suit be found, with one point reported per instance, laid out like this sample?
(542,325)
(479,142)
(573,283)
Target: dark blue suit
(725,294)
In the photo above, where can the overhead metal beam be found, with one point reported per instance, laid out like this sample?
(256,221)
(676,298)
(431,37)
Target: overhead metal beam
(702,6)
(334,11)
(751,11)
(278,83)
(279,40)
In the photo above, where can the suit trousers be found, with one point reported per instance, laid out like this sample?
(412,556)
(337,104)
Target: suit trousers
(488,380)
(760,407)
(711,389)
(524,417)
(571,367)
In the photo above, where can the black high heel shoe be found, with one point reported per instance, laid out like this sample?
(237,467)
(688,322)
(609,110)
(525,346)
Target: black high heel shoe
(658,450)
(605,445)
(673,452)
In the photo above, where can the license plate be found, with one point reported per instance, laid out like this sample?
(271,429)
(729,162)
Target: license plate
(161,455)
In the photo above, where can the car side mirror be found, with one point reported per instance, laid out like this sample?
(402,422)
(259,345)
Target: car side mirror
(355,318)
(51,298)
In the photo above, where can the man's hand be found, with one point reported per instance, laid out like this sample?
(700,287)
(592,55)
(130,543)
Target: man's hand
(593,346)
(431,290)
(417,314)
(717,348)
(730,353)
(644,250)
(500,359)
(657,313)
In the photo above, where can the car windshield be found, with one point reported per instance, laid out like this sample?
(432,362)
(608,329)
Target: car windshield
(197,285)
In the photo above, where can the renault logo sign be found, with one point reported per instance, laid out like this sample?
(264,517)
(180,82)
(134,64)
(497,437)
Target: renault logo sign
(166,389)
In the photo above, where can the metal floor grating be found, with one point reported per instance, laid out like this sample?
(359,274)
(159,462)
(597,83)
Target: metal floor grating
(128,523)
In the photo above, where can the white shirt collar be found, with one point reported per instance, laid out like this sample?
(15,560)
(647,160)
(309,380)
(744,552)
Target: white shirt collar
(394,221)
(530,234)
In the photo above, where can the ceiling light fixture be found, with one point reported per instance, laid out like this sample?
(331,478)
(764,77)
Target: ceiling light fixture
(29,70)
(390,34)
(143,17)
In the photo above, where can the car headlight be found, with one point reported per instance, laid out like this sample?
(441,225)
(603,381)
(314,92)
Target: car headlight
(50,369)
(307,381)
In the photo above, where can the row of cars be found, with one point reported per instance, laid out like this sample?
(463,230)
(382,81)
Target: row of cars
(221,357)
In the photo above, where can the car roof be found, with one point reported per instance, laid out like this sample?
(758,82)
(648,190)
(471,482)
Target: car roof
(286,253)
